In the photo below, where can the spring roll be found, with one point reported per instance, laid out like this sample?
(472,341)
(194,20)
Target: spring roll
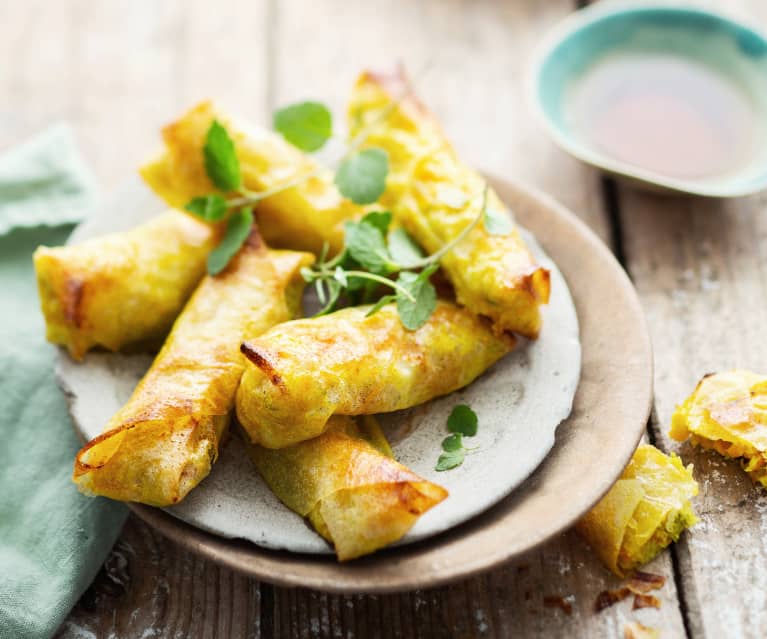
(301,218)
(346,483)
(435,196)
(727,413)
(99,293)
(163,442)
(646,509)
(302,372)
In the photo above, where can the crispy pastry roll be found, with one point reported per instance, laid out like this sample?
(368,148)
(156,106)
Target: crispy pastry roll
(727,413)
(123,289)
(302,372)
(646,509)
(163,442)
(346,483)
(435,196)
(301,218)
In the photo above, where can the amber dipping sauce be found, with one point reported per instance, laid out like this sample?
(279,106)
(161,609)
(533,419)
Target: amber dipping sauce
(664,113)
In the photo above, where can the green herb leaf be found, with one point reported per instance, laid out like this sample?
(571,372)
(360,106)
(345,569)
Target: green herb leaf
(386,299)
(306,125)
(497,222)
(379,219)
(403,248)
(452,443)
(211,208)
(237,231)
(414,314)
(221,163)
(463,420)
(367,246)
(334,289)
(362,176)
(449,460)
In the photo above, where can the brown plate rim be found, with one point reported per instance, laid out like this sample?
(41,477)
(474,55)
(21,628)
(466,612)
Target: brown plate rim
(462,552)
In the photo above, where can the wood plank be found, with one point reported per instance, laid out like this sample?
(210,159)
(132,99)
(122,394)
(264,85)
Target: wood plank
(118,71)
(701,270)
(700,267)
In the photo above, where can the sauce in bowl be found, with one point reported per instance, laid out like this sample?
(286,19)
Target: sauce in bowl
(664,113)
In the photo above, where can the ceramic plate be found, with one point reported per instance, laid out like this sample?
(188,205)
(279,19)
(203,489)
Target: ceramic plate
(533,386)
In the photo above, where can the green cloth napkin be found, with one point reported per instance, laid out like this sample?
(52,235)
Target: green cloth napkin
(53,540)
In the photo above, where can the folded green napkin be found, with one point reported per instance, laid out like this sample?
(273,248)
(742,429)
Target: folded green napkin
(52,539)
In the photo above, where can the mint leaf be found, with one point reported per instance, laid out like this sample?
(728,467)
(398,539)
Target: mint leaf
(221,163)
(463,420)
(306,125)
(449,460)
(403,248)
(452,443)
(362,176)
(211,208)
(415,314)
(237,231)
(379,219)
(366,245)
(497,222)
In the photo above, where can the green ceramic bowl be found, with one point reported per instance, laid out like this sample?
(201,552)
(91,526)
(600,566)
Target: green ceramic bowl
(738,54)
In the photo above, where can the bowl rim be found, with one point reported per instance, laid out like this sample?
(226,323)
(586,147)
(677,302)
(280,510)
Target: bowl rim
(592,14)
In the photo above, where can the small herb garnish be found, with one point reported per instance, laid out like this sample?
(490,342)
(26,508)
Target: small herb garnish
(221,163)
(371,257)
(360,176)
(371,253)
(462,422)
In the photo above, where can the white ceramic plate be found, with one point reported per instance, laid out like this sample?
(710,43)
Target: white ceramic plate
(520,402)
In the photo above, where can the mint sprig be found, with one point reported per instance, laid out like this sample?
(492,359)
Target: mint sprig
(462,422)
(371,258)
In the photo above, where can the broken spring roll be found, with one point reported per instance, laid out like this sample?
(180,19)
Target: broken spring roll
(302,372)
(123,289)
(346,483)
(163,442)
(727,413)
(646,509)
(303,217)
(435,197)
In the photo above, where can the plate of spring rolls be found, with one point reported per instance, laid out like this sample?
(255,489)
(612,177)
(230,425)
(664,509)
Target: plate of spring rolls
(350,449)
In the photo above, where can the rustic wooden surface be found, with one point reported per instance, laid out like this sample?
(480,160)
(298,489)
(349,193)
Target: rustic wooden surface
(118,70)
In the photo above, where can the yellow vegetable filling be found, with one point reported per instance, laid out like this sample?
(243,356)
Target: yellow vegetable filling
(646,509)
(727,412)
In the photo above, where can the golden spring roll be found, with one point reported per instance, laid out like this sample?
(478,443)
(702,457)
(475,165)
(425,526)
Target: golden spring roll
(302,372)
(123,289)
(435,196)
(301,218)
(163,442)
(346,483)
(727,413)
(646,509)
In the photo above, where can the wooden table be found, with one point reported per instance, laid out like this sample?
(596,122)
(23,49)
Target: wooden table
(118,70)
